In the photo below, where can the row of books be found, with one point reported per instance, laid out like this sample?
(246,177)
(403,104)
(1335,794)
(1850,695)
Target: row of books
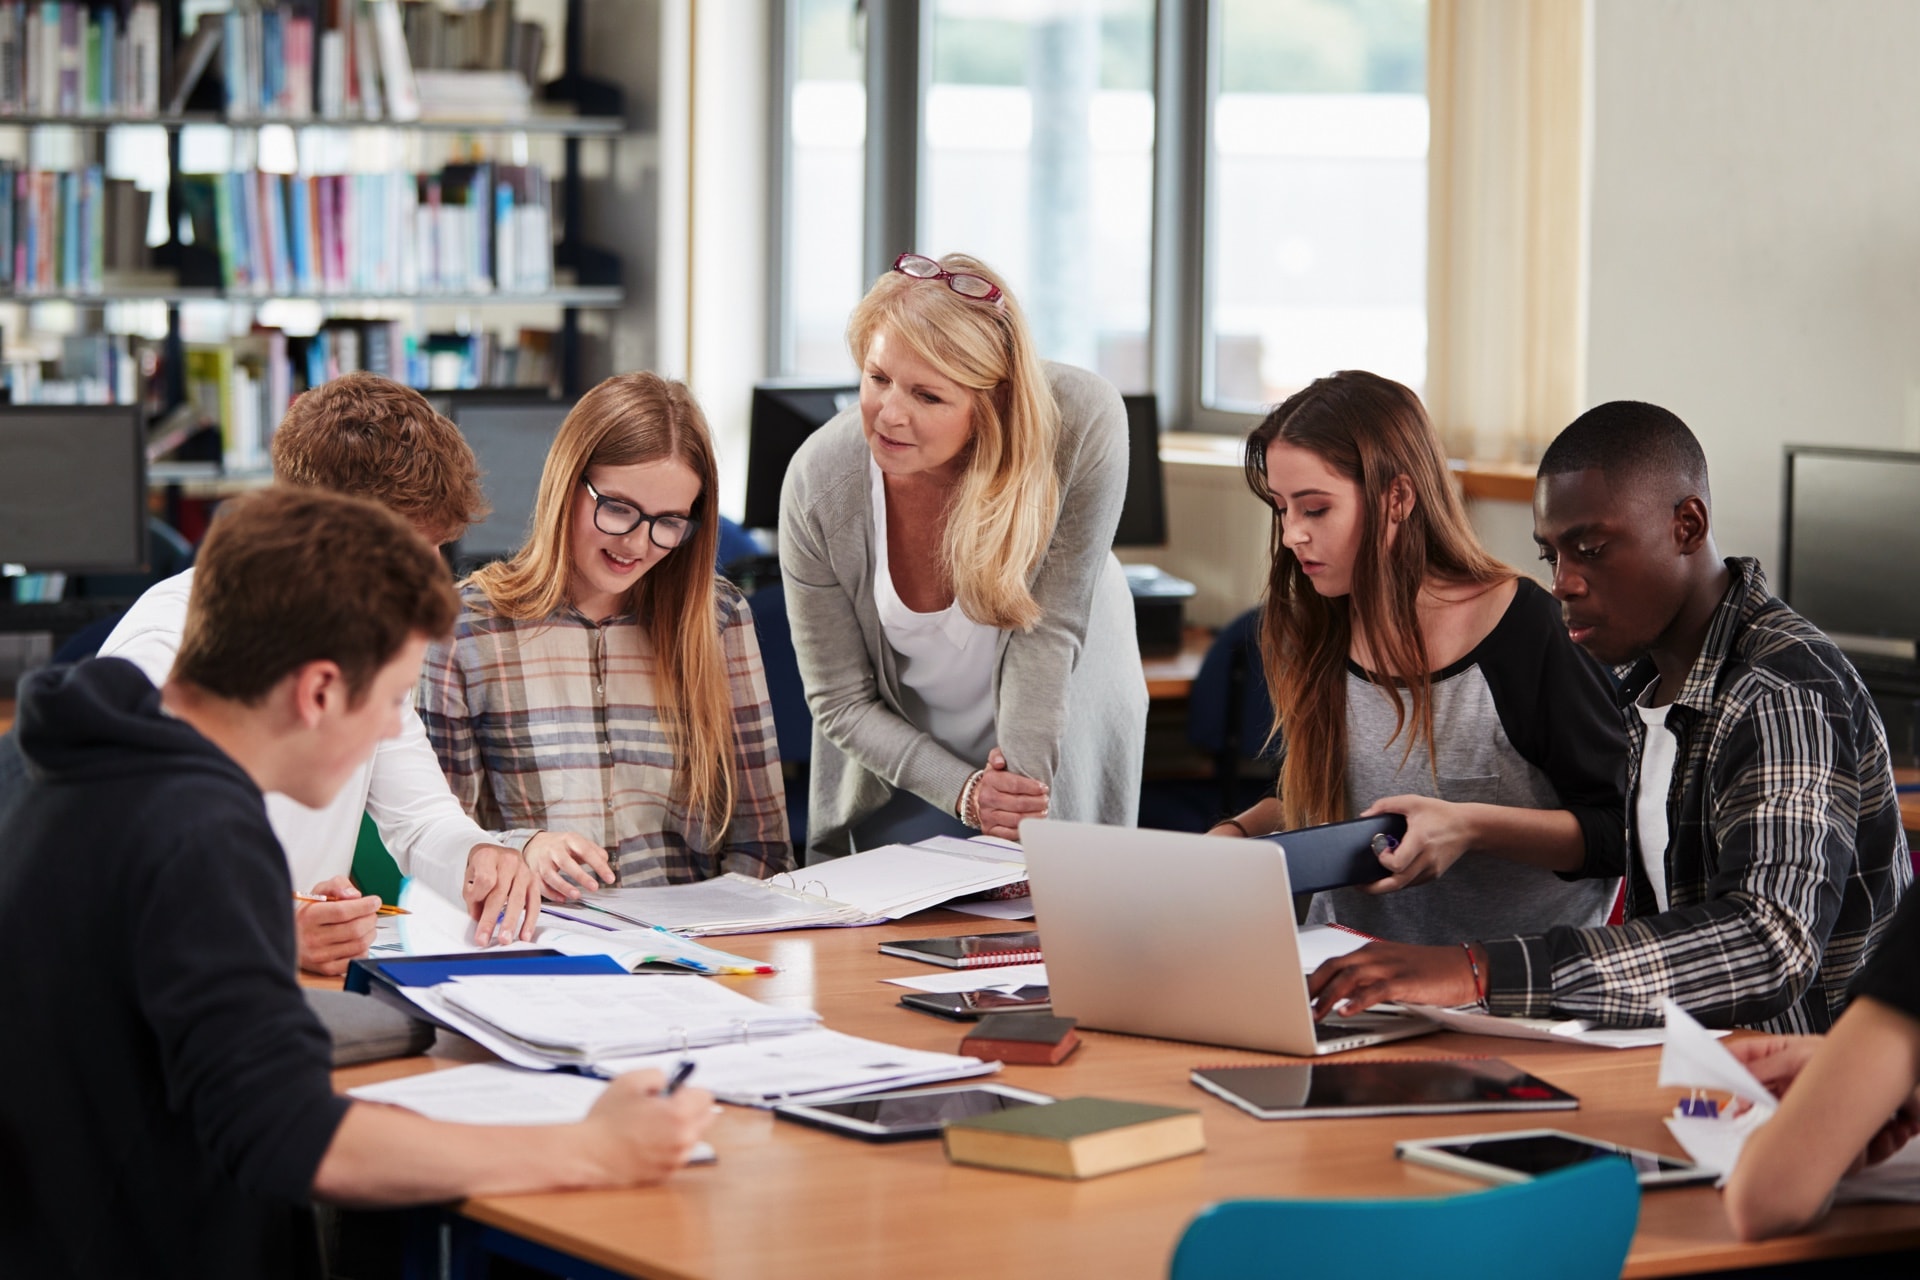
(487,37)
(474,228)
(65,231)
(92,368)
(64,58)
(280,61)
(244,386)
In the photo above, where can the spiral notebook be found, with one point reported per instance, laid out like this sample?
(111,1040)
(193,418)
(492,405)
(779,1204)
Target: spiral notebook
(1393,1087)
(969,951)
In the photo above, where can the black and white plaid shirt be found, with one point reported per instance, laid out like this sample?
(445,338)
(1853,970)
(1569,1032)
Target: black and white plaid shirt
(1785,857)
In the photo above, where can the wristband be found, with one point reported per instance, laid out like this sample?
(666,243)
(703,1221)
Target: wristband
(1479,984)
(1237,825)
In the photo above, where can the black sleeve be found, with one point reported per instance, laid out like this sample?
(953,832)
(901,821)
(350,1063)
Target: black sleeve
(1892,973)
(1558,708)
(244,1057)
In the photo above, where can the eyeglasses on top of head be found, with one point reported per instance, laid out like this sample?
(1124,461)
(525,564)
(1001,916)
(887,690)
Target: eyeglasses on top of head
(964,283)
(618,517)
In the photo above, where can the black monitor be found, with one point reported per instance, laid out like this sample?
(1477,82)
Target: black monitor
(785,413)
(510,436)
(1143,518)
(1850,555)
(73,488)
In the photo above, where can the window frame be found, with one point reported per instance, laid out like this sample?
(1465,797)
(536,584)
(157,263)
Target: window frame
(898,66)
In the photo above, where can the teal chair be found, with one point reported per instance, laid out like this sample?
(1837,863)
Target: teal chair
(1572,1225)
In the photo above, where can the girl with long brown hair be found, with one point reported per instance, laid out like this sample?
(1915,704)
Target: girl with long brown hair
(602,683)
(1413,673)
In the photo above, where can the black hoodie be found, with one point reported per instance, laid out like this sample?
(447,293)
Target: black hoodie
(165,1095)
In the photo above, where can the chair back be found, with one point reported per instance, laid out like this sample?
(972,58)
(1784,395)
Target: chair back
(792,721)
(1229,710)
(1576,1224)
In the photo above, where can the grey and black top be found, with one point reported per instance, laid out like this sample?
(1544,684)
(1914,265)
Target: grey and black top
(1526,719)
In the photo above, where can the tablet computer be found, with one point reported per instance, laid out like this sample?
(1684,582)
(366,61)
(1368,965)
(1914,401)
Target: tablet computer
(1402,1087)
(1525,1154)
(967,1006)
(1338,854)
(918,1113)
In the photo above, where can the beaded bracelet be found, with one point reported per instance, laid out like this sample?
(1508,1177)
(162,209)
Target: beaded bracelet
(968,810)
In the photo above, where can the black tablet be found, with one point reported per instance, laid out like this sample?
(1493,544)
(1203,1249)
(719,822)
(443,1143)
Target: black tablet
(1337,854)
(1525,1154)
(918,1113)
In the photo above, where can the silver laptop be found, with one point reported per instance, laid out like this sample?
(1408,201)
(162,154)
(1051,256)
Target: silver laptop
(1184,937)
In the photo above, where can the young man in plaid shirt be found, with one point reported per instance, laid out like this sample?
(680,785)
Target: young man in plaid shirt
(1765,851)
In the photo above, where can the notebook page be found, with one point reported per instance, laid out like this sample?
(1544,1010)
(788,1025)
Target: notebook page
(601,1016)
(729,903)
(892,879)
(813,1063)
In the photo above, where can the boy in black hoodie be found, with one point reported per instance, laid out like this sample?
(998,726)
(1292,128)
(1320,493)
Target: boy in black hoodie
(165,1102)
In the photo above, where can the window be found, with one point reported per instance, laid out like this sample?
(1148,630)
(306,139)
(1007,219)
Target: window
(1037,157)
(826,148)
(1316,214)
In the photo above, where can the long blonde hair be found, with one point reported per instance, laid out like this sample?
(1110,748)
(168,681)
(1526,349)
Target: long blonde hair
(638,418)
(1373,431)
(1001,516)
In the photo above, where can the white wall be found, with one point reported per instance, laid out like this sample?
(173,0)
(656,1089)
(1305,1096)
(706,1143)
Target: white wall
(1756,231)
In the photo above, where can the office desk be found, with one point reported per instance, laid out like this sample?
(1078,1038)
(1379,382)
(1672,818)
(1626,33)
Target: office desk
(788,1201)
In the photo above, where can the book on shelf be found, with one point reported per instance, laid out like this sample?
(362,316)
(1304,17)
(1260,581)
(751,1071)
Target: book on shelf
(465,229)
(63,231)
(67,58)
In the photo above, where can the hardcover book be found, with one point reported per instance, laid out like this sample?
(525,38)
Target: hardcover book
(1075,1137)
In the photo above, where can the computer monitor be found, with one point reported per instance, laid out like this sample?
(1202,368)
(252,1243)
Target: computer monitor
(1143,517)
(73,488)
(510,436)
(1850,559)
(784,414)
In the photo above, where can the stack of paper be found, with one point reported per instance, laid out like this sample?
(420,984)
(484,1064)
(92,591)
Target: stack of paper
(581,1020)
(814,1065)
(865,888)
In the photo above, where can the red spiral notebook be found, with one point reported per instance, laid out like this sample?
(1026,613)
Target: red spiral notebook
(969,951)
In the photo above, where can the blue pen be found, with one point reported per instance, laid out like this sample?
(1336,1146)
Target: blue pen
(678,1078)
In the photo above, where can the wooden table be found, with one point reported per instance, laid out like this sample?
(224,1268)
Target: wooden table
(789,1201)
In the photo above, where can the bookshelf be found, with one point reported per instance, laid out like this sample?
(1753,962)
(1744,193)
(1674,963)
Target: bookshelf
(194,271)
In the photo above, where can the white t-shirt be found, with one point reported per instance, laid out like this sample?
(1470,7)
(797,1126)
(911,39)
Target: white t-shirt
(945,659)
(1650,795)
(401,786)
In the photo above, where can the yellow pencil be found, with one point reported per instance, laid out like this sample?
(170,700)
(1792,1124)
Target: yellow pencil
(386,908)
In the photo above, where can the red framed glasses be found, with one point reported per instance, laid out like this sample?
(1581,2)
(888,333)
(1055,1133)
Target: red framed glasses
(964,283)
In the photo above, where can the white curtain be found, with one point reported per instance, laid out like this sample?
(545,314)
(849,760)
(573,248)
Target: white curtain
(1507,223)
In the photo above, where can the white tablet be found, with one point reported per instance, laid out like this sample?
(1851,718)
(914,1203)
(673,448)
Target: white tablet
(915,1113)
(1525,1154)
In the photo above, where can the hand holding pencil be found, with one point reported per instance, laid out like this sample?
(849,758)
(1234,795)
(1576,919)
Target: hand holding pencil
(333,923)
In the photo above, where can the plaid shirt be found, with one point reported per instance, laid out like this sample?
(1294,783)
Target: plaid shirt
(1785,859)
(551,725)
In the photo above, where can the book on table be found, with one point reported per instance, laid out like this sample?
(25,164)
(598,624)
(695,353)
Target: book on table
(1075,1137)
(969,951)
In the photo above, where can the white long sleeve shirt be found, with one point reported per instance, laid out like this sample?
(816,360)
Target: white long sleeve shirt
(401,786)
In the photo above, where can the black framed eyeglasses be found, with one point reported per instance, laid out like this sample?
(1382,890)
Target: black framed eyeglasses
(619,518)
(964,283)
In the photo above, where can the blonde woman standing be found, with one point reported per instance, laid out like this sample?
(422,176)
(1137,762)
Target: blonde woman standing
(947,553)
(602,683)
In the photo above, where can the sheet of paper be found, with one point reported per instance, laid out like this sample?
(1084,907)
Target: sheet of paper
(435,927)
(1693,1058)
(487,1093)
(1897,1178)
(1322,942)
(982,848)
(896,880)
(1555,1032)
(1006,977)
(995,908)
(727,904)
(817,1064)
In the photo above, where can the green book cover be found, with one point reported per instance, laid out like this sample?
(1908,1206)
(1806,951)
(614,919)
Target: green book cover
(1070,1118)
